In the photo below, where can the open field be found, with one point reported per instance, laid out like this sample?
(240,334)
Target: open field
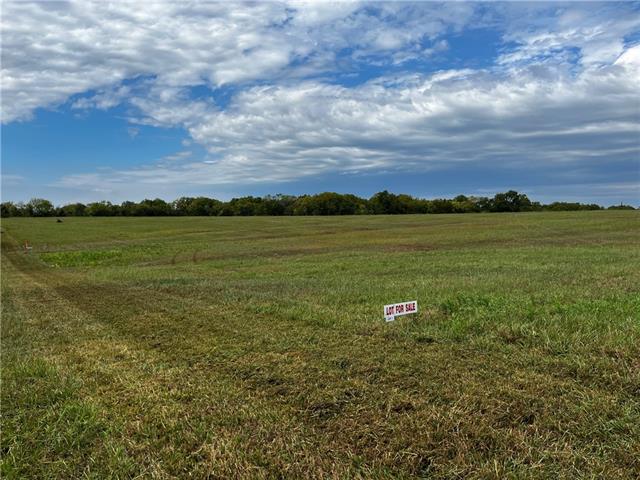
(256,348)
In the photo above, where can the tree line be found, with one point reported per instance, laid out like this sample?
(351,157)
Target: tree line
(327,203)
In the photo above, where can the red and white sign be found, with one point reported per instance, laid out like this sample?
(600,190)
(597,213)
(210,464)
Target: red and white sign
(396,309)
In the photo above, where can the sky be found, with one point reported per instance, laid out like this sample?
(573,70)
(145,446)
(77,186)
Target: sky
(132,100)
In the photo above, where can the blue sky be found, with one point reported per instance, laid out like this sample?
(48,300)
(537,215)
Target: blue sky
(121,102)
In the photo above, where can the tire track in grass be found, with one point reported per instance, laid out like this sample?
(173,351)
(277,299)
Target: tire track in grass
(112,371)
(329,419)
(122,373)
(61,430)
(259,390)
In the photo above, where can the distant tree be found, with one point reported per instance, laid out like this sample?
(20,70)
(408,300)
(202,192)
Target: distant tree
(245,206)
(570,206)
(464,204)
(303,205)
(326,203)
(203,206)
(10,209)
(421,205)
(278,204)
(620,207)
(354,205)
(386,203)
(510,201)
(342,204)
(72,210)
(182,205)
(226,210)
(329,203)
(152,208)
(409,204)
(441,205)
(39,207)
(102,209)
(483,204)
(535,207)
(22,209)
(128,208)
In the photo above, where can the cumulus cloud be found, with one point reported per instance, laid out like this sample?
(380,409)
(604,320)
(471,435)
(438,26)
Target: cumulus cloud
(563,89)
(412,123)
(104,99)
(550,32)
(53,50)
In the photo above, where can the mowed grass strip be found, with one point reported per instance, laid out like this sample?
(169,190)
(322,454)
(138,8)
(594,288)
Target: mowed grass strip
(256,348)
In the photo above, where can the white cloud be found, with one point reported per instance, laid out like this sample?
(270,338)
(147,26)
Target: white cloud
(10,180)
(564,89)
(104,99)
(178,156)
(549,31)
(133,132)
(413,123)
(53,50)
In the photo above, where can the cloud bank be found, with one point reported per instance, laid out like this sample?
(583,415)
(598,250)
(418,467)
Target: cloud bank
(562,89)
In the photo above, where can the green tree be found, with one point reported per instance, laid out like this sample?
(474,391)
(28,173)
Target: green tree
(511,201)
(39,207)
(441,205)
(73,210)
(102,209)
(10,209)
(203,206)
(620,207)
(152,208)
(386,203)
(278,204)
(329,203)
(182,205)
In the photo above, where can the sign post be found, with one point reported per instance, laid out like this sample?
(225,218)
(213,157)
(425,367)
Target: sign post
(396,309)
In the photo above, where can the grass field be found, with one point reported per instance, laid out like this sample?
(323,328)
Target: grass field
(256,347)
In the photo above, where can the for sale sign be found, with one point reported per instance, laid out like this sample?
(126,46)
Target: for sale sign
(396,309)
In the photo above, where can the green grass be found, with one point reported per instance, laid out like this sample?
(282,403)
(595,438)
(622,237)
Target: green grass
(256,347)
